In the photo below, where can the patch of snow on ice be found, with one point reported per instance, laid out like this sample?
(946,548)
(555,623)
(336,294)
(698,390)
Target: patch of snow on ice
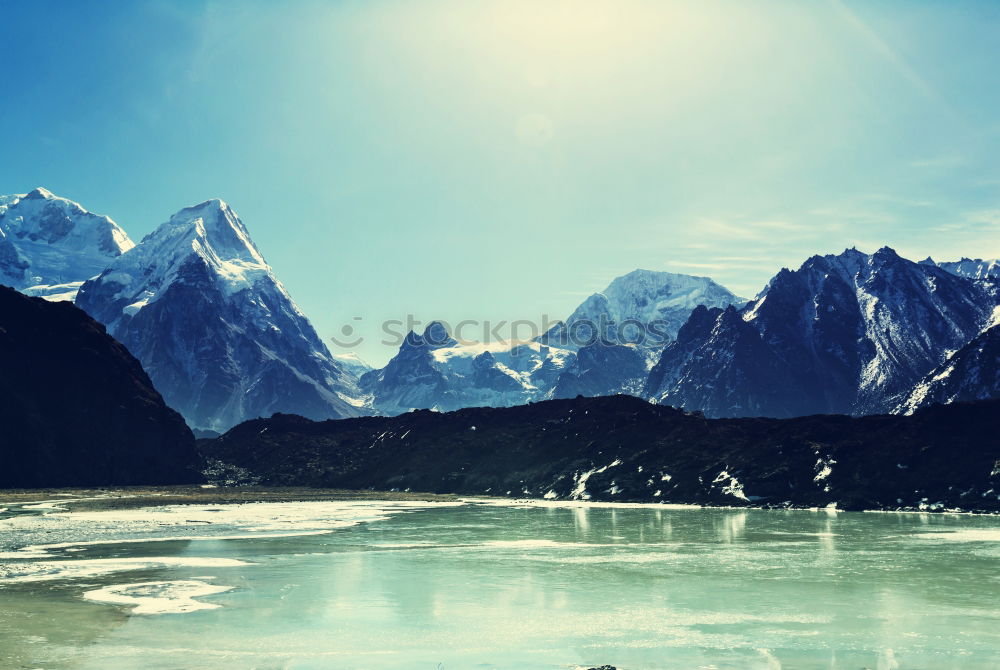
(176,597)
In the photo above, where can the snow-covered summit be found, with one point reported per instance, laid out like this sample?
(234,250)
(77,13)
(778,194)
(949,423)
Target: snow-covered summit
(432,370)
(50,245)
(210,234)
(217,332)
(643,306)
(973,268)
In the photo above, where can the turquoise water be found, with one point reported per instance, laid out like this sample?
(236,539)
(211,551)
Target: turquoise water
(490,586)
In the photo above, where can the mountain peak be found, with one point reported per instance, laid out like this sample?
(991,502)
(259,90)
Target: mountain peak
(39,193)
(436,336)
(213,208)
(212,231)
(640,297)
(215,329)
(212,203)
(53,244)
(885,252)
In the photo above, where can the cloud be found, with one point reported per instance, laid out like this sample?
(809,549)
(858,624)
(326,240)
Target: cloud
(695,264)
(947,161)
(777,225)
(896,200)
(851,215)
(749,230)
(975,221)
(984,216)
(723,264)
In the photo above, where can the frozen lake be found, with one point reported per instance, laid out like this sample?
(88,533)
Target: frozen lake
(440,586)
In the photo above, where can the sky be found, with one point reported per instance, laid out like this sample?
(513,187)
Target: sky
(503,159)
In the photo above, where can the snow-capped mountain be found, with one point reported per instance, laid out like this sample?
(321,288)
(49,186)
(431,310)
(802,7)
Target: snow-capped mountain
(971,373)
(434,371)
(50,245)
(216,331)
(851,333)
(973,268)
(642,307)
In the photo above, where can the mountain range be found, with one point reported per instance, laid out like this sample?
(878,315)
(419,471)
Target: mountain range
(194,301)
(606,346)
(851,333)
(223,342)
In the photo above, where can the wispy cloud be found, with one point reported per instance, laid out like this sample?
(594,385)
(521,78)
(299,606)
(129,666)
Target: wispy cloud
(896,200)
(947,161)
(722,264)
(987,216)
(749,229)
(975,221)
(696,264)
(777,225)
(849,214)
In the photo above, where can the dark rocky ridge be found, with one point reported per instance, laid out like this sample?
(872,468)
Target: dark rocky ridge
(941,457)
(76,409)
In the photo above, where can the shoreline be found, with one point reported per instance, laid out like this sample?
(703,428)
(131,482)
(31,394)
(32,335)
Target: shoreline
(136,497)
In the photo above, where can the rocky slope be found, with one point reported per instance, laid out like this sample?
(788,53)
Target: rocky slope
(77,408)
(624,449)
(604,368)
(50,245)
(971,373)
(852,333)
(218,334)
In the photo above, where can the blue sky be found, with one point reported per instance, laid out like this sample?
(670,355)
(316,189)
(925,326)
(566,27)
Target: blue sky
(501,159)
